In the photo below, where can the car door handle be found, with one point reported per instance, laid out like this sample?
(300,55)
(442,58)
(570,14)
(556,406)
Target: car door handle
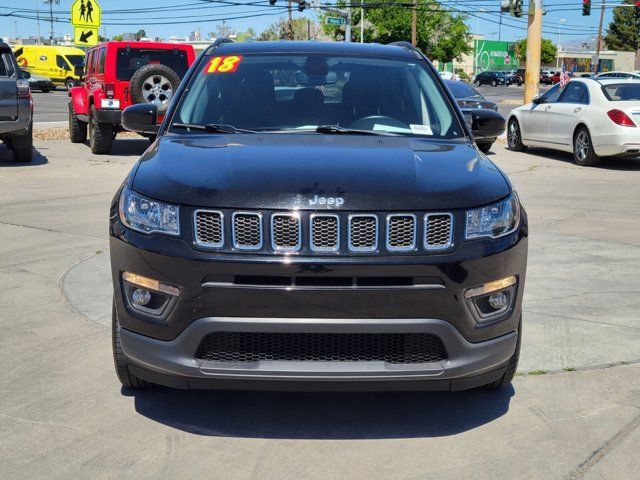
(577,109)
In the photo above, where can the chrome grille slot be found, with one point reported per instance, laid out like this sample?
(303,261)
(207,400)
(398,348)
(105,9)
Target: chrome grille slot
(325,233)
(438,231)
(401,232)
(286,232)
(363,233)
(209,226)
(247,230)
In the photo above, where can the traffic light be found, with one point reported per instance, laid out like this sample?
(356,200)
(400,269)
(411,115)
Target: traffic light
(586,7)
(637,4)
(515,8)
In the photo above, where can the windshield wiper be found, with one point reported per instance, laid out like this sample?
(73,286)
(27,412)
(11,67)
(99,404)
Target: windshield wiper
(212,127)
(339,129)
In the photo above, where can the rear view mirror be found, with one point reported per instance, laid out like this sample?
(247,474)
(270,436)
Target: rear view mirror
(141,118)
(316,80)
(536,100)
(487,123)
(78,71)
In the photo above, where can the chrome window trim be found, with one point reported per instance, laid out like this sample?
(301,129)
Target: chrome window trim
(195,228)
(415,227)
(233,230)
(324,249)
(298,246)
(449,244)
(362,249)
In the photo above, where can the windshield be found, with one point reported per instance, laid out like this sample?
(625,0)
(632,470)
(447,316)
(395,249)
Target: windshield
(297,92)
(462,90)
(622,92)
(75,60)
(131,59)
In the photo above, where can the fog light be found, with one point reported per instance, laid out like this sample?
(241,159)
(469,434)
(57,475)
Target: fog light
(498,300)
(141,297)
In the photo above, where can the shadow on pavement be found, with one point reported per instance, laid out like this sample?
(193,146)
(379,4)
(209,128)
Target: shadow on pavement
(287,415)
(607,163)
(6,159)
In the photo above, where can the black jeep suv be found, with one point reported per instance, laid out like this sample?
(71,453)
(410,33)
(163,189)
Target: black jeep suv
(315,214)
(16,107)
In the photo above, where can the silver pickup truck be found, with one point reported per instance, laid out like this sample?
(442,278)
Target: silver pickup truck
(16,107)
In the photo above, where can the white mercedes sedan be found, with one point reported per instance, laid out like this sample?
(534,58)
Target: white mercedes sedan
(591,118)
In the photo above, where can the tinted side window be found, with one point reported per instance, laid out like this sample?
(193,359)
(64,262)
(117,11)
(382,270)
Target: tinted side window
(3,67)
(552,95)
(60,63)
(575,93)
(101,60)
(90,62)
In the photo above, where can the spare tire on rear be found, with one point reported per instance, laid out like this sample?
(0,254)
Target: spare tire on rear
(154,83)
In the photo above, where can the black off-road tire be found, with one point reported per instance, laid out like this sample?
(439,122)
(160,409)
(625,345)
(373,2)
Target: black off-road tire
(485,147)
(143,73)
(126,377)
(583,152)
(22,146)
(514,136)
(77,128)
(101,135)
(512,366)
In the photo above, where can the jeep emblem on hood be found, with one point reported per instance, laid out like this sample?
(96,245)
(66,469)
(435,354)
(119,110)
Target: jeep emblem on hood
(316,200)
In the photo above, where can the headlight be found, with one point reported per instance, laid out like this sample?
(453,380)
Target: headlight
(148,216)
(495,220)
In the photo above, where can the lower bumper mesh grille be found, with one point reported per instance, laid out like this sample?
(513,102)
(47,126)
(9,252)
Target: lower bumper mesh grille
(396,348)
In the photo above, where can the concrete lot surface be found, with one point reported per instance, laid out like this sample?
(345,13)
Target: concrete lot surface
(63,414)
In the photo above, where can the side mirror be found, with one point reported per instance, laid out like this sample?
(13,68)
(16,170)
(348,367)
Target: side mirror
(141,118)
(25,74)
(78,71)
(536,99)
(487,124)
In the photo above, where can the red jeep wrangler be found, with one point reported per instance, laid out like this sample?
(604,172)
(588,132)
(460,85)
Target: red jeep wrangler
(119,74)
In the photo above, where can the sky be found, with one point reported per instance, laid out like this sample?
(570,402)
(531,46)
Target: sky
(483,17)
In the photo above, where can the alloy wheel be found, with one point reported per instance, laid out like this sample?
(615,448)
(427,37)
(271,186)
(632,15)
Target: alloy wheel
(513,135)
(582,145)
(157,89)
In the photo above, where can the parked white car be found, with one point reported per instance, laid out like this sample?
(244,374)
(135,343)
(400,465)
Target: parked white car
(592,118)
(449,76)
(618,75)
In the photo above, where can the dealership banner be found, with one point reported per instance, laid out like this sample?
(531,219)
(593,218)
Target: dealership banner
(495,55)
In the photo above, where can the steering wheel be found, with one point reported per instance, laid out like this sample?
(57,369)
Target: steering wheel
(367,123)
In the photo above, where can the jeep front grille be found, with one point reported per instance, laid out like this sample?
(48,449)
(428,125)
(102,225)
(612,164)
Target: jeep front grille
(325,232)
(209,226)
(286,234)
(401,232)
(303,232)
(438,231)
(247,231)
(246,347)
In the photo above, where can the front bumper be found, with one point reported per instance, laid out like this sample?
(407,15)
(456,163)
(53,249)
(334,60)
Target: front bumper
(163,351)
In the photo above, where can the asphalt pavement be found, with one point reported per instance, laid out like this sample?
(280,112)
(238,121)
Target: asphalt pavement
(50,109)
(573,411)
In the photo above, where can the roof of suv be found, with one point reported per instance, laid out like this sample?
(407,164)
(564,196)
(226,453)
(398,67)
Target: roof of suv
(348,48)
(139,44)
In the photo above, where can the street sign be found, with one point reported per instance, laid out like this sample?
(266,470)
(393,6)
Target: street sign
(86,13)
(335,21)
(85,36)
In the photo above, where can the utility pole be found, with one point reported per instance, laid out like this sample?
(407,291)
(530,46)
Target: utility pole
(289,23)
(361,21)
(500,28)
(347,26)
(534,46)
(38,20)
(596,67)
(414,23)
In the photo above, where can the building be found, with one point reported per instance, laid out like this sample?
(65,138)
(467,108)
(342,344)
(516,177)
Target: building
(576,60)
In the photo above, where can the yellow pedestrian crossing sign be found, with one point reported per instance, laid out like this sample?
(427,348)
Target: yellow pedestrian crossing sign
(85,36)
(86,13)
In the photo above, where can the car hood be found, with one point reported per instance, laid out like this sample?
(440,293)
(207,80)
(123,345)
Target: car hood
(275,171)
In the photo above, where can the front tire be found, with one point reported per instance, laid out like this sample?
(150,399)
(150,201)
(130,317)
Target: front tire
(101,135)
(126,377)
(494,83)
(514,136)
(485,147)
(69,83)
(77,128)
(583,152)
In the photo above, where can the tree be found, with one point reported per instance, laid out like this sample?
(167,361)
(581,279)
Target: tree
(117,38)
(302,29)
(222,31)
(140,34)
(623,32)
(548,51)
(442,35)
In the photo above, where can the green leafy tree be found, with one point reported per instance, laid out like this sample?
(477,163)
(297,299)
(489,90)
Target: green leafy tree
(117,37)
(548,52)
(623,32)
(140,34)
(442,35)
(301,29)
